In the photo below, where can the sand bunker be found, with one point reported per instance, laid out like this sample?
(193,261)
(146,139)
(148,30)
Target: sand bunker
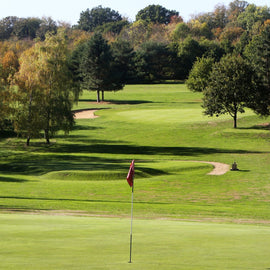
(85,114)
(219,168)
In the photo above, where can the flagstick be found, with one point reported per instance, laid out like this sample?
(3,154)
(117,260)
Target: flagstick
(130,253)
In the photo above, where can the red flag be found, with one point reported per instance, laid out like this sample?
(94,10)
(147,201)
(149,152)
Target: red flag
(130,175)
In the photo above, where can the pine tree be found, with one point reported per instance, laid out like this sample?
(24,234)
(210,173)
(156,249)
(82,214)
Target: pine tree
(98,67)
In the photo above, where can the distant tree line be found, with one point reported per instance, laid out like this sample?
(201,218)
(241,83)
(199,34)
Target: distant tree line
(26,28)
(45,65)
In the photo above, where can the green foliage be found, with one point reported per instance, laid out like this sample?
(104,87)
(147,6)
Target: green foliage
(156,14)
(212,49)
(188,51)
(236,8)
(91,19)
(199,74)
(6,27)
(26,28)
(47,25)
(136,33)
(58,84)
(252,15)
(152,62)
(46,89)
(212,34)
(5,98)
(114,28)
(232,84)
(98,68)
(180,32)
(258,53)
(123,55)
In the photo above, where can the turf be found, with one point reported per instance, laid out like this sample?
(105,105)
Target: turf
(160,126)
(83,174)
(63,242)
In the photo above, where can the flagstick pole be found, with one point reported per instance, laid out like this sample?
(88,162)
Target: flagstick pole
(130,253)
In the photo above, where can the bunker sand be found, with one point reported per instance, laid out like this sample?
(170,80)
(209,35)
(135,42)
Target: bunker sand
(85,114)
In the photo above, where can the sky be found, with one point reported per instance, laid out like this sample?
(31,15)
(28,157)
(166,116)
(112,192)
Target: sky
(69,11)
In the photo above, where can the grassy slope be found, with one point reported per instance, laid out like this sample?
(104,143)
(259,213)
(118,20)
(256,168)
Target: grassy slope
(162,128)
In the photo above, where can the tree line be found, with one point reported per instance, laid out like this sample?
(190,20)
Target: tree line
(44,65)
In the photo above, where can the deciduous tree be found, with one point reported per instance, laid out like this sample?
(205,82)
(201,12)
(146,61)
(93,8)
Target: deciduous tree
(90,19)
(58,85)
(5,100)
(232,86)
(188,51)
(156,14)
(10,65)
(258,53)
(199,75)
(46,89)
(28,97)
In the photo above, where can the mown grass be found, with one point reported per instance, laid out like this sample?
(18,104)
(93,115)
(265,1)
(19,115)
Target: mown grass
(83,174)
(64,242)
(160,126)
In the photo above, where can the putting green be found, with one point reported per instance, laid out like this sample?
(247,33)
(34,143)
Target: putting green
(179,116)
(65,242)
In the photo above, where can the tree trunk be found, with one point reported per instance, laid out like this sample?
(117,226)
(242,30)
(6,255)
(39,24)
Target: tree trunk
(29,120)
(28,140)
(98,96)
(102,95)
(46,136)
(235,120)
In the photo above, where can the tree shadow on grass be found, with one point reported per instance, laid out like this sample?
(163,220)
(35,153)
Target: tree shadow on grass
(84,127)
(6,134)
(47,163)
(265,126)
(129,102)
(117,102)
(43,164)
(61,158)
(12,180)
(107,148)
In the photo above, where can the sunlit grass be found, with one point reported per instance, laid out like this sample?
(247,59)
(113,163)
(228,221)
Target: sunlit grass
(163,128)
(64,242)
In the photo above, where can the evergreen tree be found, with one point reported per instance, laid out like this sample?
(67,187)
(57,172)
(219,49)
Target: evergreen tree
(98,67)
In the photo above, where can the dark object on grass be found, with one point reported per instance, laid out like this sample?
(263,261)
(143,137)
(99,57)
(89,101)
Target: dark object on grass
(234,167)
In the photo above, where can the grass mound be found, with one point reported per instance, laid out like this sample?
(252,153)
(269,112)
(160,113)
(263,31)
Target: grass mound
(143,170)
